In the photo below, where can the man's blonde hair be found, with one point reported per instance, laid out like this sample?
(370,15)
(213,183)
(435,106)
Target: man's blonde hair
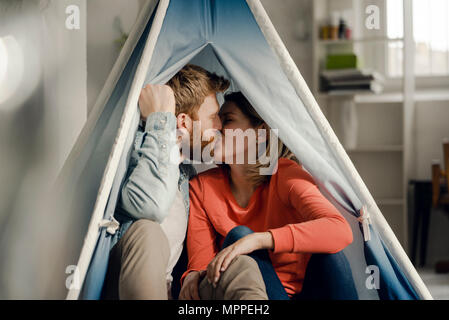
(191,85)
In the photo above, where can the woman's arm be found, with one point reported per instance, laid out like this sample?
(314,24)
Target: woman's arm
(201,235)
(322,228)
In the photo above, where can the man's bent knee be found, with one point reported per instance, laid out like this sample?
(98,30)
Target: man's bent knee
(240,263)
(145,227)
(145,234)
(242,280)
(144,252)
(145,244)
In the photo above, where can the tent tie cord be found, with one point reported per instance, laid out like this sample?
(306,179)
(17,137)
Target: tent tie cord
(110,225)
(365,220)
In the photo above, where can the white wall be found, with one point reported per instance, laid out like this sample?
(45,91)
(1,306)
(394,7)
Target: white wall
(432,126)
(102,51)
(65,75)
(39,125)
(291,18)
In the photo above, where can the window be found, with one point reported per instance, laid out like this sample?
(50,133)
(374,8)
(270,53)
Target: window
(395,30)
(431,34)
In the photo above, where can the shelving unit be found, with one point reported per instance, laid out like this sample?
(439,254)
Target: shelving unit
(393,97)
(361,40)
(380,154)
(378,148)
(384,154)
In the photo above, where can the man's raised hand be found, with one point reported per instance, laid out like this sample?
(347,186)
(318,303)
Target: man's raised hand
(156,98)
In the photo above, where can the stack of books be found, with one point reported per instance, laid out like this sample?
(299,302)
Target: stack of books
(351,81)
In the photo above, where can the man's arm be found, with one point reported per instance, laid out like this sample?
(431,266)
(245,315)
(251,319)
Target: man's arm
(152,180)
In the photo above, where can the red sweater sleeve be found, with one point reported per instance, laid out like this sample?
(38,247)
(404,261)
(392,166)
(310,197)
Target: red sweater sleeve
(322,228)
(201,244)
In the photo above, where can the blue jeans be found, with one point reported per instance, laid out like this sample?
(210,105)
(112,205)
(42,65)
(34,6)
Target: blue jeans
(319,282)
(275,289)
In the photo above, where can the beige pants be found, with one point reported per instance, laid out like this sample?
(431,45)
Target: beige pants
(242,280)
(138,263)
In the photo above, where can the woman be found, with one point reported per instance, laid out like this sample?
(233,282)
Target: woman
(280,220)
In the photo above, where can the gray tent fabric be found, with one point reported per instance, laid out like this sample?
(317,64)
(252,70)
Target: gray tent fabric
(223,36)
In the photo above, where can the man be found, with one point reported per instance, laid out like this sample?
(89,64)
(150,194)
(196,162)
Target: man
(154,204)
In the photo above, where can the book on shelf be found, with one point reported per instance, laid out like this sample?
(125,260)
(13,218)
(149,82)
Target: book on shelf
(351,74)
(351,81)
(372,88)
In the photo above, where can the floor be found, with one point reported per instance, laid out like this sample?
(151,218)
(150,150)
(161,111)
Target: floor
(438,284)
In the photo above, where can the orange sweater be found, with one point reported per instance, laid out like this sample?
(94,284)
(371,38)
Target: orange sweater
(291,207)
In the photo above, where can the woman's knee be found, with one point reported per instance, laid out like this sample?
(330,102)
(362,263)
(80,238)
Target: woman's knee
(333,261)
(235,234)
(329,276)
(240,231)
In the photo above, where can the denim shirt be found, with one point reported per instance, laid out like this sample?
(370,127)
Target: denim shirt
(154,174)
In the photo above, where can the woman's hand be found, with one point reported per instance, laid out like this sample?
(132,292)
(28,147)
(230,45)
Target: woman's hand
(189,290)
(245,245)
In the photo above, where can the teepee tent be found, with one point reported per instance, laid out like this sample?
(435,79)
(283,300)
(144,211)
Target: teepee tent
(234,38)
